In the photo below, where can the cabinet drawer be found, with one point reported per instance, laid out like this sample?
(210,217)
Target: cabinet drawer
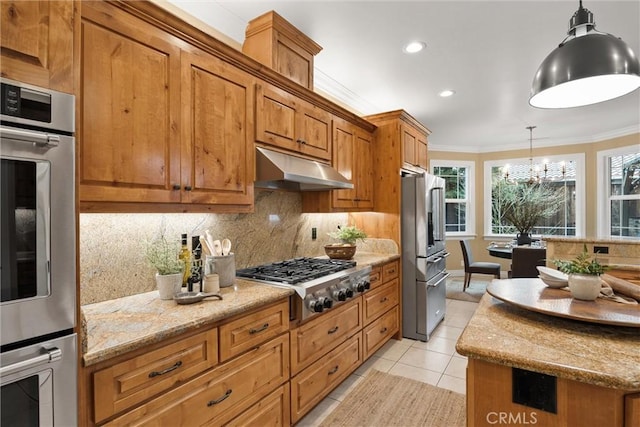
(252,330)
(378,301)
(220,394)
(379,332)
(312,340)
(375,277)
(315,382)
(273,410)
(390,271)
(130,382)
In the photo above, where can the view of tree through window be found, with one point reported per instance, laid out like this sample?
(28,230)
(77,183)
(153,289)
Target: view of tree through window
(559,177)
(624,194)
(456,198)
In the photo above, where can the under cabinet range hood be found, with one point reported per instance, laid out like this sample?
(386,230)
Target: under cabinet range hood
(277,170)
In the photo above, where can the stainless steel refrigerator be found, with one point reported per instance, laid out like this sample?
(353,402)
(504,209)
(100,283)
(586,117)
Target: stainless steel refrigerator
(424,272)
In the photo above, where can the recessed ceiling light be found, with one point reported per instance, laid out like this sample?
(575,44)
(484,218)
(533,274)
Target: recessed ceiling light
(414,47)
(446,93)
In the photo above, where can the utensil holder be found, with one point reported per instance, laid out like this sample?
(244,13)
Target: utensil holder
(225,267)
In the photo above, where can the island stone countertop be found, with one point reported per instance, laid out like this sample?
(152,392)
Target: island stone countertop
(602,355)
(111,328)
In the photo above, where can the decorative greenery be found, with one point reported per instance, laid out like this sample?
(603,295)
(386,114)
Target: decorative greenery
(524,204)
(163,255)
(348,234)
(581,265)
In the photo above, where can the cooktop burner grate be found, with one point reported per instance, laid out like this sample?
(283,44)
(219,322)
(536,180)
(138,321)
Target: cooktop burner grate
(295,270)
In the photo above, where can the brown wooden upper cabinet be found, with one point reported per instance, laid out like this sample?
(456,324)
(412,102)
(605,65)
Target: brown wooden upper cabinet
(37,43)
(288,122)
(414,146)
(159,124)
(353,158)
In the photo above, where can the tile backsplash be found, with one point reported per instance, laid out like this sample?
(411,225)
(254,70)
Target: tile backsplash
(112,262)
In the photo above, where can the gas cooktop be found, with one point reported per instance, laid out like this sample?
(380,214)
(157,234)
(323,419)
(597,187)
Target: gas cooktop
(296,270)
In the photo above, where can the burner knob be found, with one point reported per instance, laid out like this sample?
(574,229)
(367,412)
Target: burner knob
(340,295)
(367,284)
(360,287)
(348,292)
(316,306)
(326,302)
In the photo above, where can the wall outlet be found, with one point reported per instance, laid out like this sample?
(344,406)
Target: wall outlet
(314,233)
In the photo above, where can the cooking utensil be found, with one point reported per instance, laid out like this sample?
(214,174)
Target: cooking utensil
(210,240)
(193,297)
(226,247)
(206,250)
(217,248)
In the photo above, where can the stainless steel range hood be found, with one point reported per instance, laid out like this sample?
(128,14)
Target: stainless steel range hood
(283,171)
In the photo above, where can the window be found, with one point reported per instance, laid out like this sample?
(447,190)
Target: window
(564,175)
(459,190)
(619,186)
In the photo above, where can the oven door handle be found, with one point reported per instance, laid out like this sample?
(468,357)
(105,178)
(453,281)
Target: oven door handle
(38,138)
(52,354)
(434,285)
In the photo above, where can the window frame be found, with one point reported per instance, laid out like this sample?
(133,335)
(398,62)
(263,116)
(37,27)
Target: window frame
(470,192)
(577,158)
(603,188)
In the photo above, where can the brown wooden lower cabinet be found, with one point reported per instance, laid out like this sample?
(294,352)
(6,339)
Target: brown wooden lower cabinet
(219,395)
(314,383)
(380,331)
(273,410)
(489,402)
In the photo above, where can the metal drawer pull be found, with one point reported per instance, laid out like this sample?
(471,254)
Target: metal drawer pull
(391,271)
(172,368)
(385,299)
(334,370)
(260,329)
(333,330)
(220,399)
(383,330)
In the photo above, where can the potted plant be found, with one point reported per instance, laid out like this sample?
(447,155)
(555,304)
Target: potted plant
(347,248)
(162,254)
(523,205)
(584,275)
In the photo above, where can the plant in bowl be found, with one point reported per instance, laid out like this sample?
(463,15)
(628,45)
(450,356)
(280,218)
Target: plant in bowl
(162,255)
(584,275)
(347,248)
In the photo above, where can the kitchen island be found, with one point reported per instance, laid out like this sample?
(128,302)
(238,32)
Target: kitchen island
(562,372)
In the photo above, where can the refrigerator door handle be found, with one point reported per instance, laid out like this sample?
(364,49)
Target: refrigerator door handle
(437,208)
(435,285)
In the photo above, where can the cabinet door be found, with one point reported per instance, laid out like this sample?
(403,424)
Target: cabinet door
(363,164)
(129,139)
(314,126)
(379,332)
(409,141)
(273,410)
(275,117)
(421,152)
(217,132)
(37,43)
(344,137)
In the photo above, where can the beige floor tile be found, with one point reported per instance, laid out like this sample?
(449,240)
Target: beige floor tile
(425,359)
(447,331)
(457,367)
(345,387)
(392,350)
(418,374)
(374,362)
(319,413)
(453,383)
(440,345)
(456,321)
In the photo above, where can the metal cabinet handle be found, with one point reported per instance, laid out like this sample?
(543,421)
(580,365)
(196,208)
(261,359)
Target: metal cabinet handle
(333,370)
(176,186)
(333,330)
(220,399)
(260,329)
(169,369)
(385,299)
(187,188)
(393,270)
(383,330)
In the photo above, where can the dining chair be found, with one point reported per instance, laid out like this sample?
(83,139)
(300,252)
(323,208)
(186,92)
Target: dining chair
(525,259)
(479,267)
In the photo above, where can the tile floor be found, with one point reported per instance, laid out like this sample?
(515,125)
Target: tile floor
(435,362)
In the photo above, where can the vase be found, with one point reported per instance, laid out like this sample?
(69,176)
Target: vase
(168,285)
(523,239)
(584,286)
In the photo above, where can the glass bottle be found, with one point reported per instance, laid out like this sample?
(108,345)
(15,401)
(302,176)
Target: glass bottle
(185,257)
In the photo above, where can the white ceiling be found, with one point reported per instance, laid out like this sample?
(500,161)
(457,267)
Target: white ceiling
(487,51)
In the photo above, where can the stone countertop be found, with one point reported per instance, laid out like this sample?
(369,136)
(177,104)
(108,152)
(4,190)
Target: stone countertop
(111,328)
(608,240)
(606,356)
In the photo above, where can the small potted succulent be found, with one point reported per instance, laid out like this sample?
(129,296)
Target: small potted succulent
(348,237)
(584,275)
(162,254)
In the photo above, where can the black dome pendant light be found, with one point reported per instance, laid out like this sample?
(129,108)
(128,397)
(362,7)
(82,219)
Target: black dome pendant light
(586,68)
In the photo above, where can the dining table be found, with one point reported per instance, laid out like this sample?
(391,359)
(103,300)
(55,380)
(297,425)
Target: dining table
(500,251)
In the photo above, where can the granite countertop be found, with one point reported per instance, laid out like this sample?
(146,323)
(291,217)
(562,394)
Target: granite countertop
(602,355)
(611,240)
(111,328)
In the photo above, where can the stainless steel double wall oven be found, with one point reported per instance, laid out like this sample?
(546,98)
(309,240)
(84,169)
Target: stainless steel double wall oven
(38,360)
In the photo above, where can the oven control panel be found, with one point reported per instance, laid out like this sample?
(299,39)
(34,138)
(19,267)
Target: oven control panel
(329,296)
